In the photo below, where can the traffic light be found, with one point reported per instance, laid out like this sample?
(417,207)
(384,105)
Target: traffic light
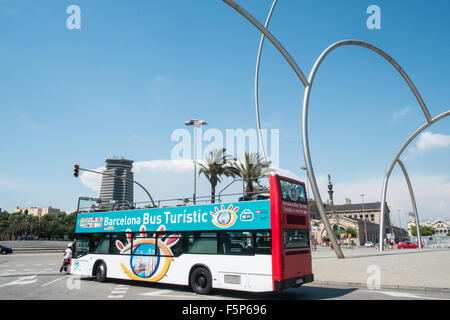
(76,171)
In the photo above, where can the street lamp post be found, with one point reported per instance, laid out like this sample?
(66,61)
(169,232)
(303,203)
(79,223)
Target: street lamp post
(330,193)
(197,124)
(338,219)
(364,217)
(77,167)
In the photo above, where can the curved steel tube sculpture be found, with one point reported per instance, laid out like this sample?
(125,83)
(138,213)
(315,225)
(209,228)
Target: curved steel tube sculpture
(413,202)
(308,85)
(272,39)
(391,166)
(312,75)
(381,53)
(305,82)
(258,59)
(306,104)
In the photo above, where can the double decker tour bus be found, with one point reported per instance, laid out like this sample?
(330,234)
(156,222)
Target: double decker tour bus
(257,245)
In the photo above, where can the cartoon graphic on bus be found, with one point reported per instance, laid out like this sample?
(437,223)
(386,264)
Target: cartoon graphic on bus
(150,259)
(224,218)
(246,215)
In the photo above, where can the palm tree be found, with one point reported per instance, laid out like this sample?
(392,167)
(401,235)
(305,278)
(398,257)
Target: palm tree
(217,164)
(251,170)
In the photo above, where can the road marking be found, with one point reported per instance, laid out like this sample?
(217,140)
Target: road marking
(156,293)
(188,295)
(403,295)
(48,283)
(21,281)
(118,292)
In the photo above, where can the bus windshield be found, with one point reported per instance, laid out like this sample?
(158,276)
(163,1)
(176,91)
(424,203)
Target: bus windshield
(293,192)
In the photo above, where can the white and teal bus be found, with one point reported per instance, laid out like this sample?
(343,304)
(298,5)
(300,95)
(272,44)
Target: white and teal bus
(258,245)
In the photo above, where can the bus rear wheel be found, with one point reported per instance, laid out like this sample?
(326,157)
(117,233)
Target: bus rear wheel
(100,272)
(200,281)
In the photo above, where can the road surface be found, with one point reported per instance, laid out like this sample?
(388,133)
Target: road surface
(37,277)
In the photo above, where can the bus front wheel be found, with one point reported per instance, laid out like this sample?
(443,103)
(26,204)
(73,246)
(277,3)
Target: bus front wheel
(100,272)
(200,280)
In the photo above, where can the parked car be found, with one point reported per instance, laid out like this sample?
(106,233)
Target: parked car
(407,245)
(5,250)
(369,244)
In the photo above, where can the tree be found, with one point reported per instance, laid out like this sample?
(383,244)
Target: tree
(217,165)
(352,231)
(4,225)
(251,170)
(70,221)
(424,231)
(51,226)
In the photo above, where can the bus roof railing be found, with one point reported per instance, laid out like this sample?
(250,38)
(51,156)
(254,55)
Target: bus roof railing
(256,179)
(101,205)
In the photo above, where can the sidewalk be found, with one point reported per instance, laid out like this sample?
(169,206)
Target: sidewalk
(427,270)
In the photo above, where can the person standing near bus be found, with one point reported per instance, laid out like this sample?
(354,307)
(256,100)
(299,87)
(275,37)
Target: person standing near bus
(66,258)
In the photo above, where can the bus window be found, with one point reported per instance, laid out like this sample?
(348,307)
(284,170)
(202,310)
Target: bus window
(296,239)
(239,242)
(201,242)
(293,192)
(175,242)
(99,244)
(81,247)
(114,248)
(144,244)
(263,244)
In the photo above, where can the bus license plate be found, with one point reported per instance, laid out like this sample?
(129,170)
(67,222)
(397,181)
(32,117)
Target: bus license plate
(299,281)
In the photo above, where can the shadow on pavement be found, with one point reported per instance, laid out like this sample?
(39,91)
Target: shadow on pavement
(309,292)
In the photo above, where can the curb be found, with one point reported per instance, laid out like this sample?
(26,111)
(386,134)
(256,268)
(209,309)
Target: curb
(35,250)
(383,286)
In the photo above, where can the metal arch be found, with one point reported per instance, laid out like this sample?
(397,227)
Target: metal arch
(391,166)
(413,201)
(272,39)
(258,59)
(308,85)
(305,82)
(312,75)
(381,53)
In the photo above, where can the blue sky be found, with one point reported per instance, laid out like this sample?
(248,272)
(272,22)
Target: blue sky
(137,70)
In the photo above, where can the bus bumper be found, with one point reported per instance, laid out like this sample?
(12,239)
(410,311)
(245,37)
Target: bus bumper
(280,285)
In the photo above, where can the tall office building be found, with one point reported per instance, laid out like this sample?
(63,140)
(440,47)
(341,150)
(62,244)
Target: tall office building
(117,182)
